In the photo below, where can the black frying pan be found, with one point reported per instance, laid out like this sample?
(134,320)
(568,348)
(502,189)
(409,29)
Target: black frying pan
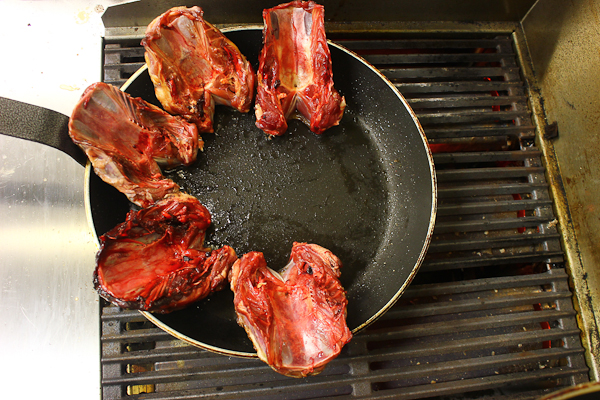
(364,189)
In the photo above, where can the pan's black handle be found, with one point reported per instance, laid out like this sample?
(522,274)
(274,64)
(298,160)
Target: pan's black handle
(38,124)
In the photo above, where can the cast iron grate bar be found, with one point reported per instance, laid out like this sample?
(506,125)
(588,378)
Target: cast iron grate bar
(447,72)
(492,173)
(490,313)
(492,207)
(471,225)
(521,131)
(483,156)
(465,191)
(447,45)
(492,261)
(425,58)
(501,243)
(455,87)
(257,374)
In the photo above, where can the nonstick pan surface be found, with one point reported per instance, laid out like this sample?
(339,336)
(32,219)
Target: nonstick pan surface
(364,189)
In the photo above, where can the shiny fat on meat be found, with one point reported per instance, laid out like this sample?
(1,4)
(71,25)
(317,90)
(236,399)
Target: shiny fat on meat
(126,139)
(194,66)
(296,318)
(156,259)
(294,71)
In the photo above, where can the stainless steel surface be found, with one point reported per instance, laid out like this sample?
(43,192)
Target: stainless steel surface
(564,42)
(49,338)
(48,307)
(250,11)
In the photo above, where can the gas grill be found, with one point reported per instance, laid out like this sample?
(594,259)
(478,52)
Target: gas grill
(490,314)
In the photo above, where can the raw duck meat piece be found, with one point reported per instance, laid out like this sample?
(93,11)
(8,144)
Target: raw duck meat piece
(296,318)
(126,139)
(156,259)
(194,66)
(294,71)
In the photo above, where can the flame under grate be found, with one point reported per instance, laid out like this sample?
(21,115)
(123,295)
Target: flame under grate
(489,314)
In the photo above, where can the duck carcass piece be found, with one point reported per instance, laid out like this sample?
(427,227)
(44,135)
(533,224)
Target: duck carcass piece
(156,259)
(193,66)
(294,71)
(296,319)
(126,139)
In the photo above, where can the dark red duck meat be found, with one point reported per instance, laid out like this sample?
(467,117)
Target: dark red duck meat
(296,318)
(194,66)
(126,139)
(294,71)
(156,259)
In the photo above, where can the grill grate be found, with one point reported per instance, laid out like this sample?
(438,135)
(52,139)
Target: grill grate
(489,313)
